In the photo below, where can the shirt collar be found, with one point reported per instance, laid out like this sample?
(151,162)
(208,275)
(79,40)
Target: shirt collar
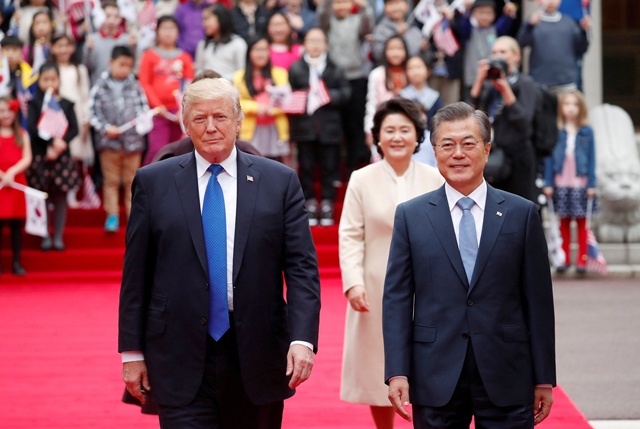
(230,164)
(479,195)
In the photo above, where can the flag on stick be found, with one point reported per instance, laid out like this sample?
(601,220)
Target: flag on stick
(53,123)
(444,39)
(554,239)
(90,198)
(595,259)
(296,103)
(36,223)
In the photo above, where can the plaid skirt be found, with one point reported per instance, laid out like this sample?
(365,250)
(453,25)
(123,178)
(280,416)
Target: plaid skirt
(59,175)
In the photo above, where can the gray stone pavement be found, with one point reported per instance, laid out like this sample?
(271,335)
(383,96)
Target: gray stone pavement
(598,345)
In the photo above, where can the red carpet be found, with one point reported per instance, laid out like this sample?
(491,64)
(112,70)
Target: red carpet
(59,367)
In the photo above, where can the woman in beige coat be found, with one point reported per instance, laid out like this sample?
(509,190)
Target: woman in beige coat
(365,236)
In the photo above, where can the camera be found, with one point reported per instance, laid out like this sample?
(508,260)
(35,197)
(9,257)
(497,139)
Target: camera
(497,66)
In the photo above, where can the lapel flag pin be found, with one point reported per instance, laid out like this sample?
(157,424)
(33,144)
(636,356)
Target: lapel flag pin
(249,178)
(499,213)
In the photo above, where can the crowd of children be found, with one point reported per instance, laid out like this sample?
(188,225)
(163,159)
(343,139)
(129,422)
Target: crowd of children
(347,56)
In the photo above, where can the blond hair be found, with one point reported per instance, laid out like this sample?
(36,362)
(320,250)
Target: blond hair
(511,42)
(583,111)
(211,90)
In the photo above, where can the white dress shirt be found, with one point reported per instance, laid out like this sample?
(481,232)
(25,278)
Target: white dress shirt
(479,196)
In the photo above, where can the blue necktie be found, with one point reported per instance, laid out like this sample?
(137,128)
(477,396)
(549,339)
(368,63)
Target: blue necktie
(214,225)
(468,238)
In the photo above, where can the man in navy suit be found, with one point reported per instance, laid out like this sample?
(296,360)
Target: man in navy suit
(468,316)
(265,346)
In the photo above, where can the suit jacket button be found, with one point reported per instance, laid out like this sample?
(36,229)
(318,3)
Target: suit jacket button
(470,303)
(206,286)
(465,335)
(203,321)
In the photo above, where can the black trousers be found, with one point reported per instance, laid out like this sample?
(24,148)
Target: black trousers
(471,399)
(358,154)
(221,402)
(325,156)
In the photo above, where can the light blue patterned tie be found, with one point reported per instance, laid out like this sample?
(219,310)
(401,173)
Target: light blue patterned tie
(468,237)
(214,225)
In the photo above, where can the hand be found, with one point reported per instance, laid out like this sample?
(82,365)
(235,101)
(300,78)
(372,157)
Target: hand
(133,39)
(402,28)
(483,69)
(448,12)
(295,21)
(299,364)
(7,178)
(136,378)
(357,297)
(548,191)
(591,192)
(112,132)
(424,45)
(90,43)
(399,396)
(543,400)
(60,145)
(585,23)
(535,18)
(505,90)
(362,4)
(510,9)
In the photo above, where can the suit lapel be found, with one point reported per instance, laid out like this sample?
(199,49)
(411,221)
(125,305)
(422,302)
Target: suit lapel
(440,216)
(248,182)
(494,215)
(187,184)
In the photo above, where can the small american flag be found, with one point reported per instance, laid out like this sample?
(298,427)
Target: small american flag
(90,198)
(147,15)
(444,39)
(595,258)
(296,104)
(77,9)
(52,123)
(318,97)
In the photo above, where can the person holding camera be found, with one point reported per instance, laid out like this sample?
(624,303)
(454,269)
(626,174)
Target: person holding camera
(509,99)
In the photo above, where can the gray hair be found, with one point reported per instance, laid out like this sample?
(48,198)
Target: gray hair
(211,90)
(459,112)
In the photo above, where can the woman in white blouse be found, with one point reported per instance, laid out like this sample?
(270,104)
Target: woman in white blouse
(365,232)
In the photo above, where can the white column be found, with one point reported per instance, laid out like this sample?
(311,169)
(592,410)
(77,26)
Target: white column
(592,65)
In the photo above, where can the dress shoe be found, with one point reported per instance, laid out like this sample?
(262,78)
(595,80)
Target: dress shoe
(581,270)
(46,244)
(58,244)
(18,270)
(562,269)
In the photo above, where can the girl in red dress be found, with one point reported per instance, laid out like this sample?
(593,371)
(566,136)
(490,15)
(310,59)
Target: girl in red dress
(15,157)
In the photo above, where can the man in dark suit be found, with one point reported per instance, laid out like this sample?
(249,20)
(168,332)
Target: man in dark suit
(468,317)
(204,327)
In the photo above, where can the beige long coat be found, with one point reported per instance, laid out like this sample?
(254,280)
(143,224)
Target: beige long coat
(365,232)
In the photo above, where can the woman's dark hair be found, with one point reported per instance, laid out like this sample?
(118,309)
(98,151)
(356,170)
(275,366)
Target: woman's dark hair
(166,18)
(55,39)
(290,41)
(225,24)
(385,62)
(16,127)
(32,38)
(403,107)
(248,72)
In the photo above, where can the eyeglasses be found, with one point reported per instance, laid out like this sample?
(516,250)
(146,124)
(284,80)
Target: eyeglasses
(450,146)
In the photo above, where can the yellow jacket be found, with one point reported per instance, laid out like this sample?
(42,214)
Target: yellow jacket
(250,106)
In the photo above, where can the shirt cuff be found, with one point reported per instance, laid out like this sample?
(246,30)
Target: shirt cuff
(303,343)
(547,386)
(132,356)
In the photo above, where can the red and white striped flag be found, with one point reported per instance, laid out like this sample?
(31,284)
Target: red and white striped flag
(295,103)
(147,15)
(53,122)
(90,198)
(595,258)
(77,9)
(318,97)
(444,39)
